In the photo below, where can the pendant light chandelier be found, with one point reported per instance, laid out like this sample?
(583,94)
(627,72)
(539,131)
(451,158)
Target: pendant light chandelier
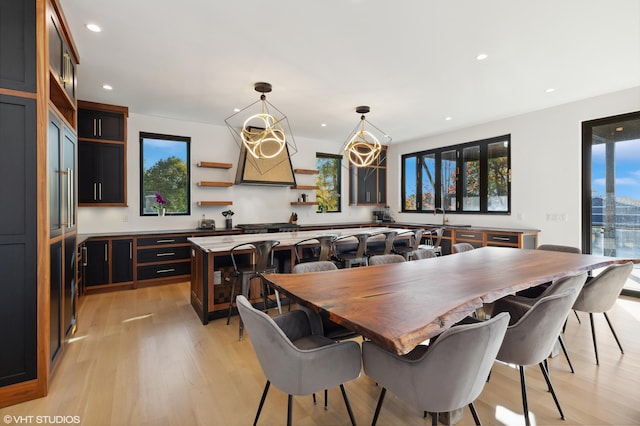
(363,147)
(266,132)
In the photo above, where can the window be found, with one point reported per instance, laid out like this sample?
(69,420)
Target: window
(473,177)
(164,170)
(328,182)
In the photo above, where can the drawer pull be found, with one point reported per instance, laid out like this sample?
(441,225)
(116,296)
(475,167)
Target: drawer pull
(468,235)
(501,238)
(166,241)
(164,271)
(165,254)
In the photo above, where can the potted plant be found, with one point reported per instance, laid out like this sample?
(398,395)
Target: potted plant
(160,204)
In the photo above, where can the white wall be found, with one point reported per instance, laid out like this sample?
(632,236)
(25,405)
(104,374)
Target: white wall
(545,162)
(251,204)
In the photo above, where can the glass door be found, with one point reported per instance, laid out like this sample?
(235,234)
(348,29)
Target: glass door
(611,189)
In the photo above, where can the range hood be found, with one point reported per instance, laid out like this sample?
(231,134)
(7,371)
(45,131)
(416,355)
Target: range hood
(265,171)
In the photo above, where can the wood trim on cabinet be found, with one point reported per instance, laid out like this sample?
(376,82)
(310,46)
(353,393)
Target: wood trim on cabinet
(104,107)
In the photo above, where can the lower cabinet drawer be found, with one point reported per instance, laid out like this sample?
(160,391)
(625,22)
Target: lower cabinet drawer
(468,235)
(166,270)
(163,254)
(163,239)
(502,239)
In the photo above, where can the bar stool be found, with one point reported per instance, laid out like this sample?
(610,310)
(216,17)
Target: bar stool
(434,245)
(320,252)
(353,256)
(409,250)
(376,247)
(260,262)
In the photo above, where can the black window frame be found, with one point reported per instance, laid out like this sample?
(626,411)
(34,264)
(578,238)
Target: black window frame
(483,144)
(338,159)
(185,139)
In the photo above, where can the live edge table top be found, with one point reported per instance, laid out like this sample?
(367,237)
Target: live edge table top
(400,305)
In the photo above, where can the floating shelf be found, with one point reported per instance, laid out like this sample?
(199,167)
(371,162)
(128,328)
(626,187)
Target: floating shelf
(209,183)
(215,203)
(304,203)
(213,165)
(306,171)
(305,187)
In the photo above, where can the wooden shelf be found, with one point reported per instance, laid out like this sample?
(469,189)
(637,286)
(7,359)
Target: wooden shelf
(304,203)
(218,184)
(305,171)
(215,203)
(213,165)
(304,187)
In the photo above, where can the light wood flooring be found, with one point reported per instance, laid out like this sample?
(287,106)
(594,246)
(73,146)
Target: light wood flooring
(142,358)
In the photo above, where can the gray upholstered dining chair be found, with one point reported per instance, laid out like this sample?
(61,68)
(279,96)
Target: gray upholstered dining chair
(600,294)
(424,254)
(559,247)
(517,306)
(319,252)
(462,247)
(382,259)
(534,292)
(444,376)
(260,258)
(296,357)
(330,329)
(530,340)
(408,250)
(352,255)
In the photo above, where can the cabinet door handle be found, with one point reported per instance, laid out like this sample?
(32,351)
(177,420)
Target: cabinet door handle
(164,271)
(100,191)
(165,241)
(379,196)
(95,191)
(170,253)
(84,256)
(95,127)
(130,250)
(106,253)
(100,127)
(468,235)
(69,198)
(501,238)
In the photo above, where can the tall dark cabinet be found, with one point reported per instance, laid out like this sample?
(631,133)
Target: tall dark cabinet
(37,168)
(102,166)
(368,185)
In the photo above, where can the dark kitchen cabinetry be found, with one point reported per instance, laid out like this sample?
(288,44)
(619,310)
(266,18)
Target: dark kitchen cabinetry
(63,67)
(95,124)
(18,45)
(107,263)
(101,173)
(122,261)
(55,300)
(102,161)
(368,185)
(62,176)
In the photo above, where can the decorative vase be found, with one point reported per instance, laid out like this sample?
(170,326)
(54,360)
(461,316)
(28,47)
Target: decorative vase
(161,211)
(228,223)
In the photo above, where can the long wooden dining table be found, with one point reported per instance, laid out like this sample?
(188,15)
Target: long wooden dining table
(400,305)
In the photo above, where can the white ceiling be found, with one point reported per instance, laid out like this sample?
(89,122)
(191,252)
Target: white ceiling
(412,61)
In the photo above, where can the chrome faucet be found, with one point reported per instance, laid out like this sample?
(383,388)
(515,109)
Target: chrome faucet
(444,214)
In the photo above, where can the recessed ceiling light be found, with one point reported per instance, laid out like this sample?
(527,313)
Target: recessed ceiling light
(236,110)
(549,90)
(619,129)
(107,87)
(482,56)
(94,27)
(323,125)
(448,118)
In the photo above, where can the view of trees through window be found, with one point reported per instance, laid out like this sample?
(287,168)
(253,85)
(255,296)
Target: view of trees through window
(164,174)
(328,182)
(471,177)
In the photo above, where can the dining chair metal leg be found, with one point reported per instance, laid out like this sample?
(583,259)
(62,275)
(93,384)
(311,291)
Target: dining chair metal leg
(264,396)
(434,419)
(593,336)
(523,390)
(378,406)
(346,403)
(474,414)
(577,317)
(326,399)
(615,336)
(566,354)
(553,393)
(289,410)
(314,399)
(233,290)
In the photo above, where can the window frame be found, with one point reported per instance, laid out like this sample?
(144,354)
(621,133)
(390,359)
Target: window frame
(338,159)
(483,146)
(158,136)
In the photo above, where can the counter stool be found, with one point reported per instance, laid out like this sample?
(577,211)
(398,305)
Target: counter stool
(350,257)
(260,262)
(376,248)
(320,252)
